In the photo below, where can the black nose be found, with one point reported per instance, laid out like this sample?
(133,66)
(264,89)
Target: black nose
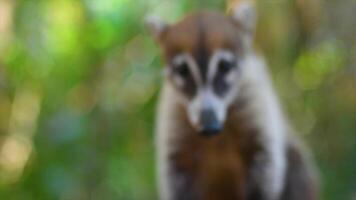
(210,124)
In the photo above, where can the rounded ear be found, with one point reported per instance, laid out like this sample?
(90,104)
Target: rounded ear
(156,26)
(244,14)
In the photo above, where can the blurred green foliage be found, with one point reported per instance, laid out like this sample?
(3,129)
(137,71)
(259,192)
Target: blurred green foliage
(79,82)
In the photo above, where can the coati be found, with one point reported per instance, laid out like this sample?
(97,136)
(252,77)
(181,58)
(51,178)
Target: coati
(221,133)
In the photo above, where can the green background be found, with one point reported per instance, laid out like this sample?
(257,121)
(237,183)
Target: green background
(79,83)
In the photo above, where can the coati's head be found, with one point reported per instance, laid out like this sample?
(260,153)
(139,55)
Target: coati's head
(204,55)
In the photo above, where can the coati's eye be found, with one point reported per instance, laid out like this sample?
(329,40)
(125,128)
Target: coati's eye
(225,66)
(182,70)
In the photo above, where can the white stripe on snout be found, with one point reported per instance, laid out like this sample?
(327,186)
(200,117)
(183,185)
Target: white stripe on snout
(214,62)
(206,100)
(193,67)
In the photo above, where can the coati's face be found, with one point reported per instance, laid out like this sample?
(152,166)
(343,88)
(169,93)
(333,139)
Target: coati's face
(203,55)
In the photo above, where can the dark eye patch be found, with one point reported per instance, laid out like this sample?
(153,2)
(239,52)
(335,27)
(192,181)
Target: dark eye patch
(220,85)
(225,66)
(182,70)
(189,87)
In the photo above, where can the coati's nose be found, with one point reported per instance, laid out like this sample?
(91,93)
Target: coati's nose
(209,123)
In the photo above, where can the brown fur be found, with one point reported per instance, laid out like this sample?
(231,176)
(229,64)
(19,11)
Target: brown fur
(217,31)
(216,167)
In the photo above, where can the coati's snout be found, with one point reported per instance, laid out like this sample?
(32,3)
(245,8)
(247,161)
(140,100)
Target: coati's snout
(207,112)
(210,124)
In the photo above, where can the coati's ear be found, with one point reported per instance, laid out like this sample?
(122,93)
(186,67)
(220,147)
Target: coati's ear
(156,26)
(244,14)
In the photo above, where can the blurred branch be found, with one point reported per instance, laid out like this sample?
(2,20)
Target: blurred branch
(6,22)
(18,144)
